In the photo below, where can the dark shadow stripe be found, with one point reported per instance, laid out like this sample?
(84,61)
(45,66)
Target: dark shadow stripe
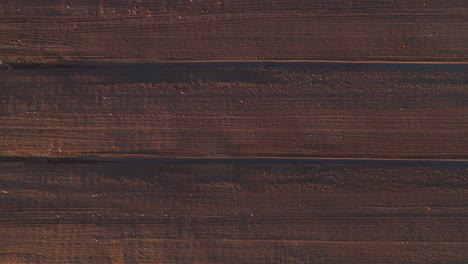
(354,64)
(318,161)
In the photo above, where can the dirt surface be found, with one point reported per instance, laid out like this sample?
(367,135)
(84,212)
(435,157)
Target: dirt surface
(233,131)
(122,31)
(246,110)
(232,212)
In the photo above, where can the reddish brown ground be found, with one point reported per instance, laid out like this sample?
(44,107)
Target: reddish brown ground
(57,31)
(232,212)
(233,131)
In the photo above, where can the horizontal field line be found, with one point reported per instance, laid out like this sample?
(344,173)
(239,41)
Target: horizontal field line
(305,160)
(139,63)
